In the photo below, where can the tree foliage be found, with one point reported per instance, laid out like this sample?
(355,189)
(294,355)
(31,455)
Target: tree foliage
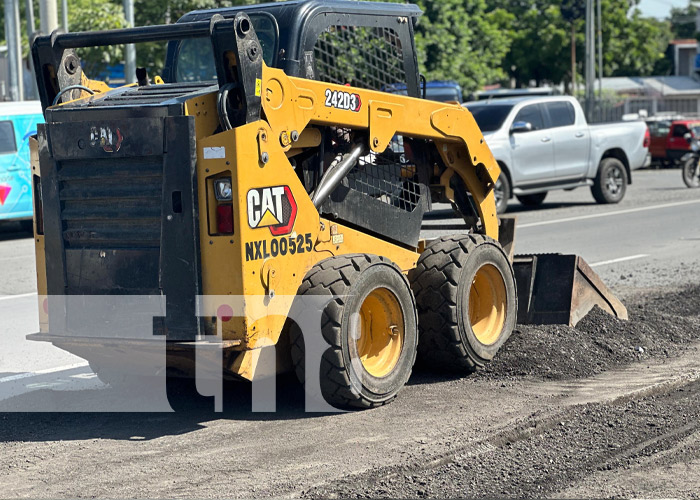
(94,15)
(474,42)
(460,40)
(540,36)
(632,44)
(683,21)
(150,12)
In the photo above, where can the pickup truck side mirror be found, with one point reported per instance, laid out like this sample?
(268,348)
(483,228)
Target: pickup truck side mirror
(520,127)
(688,137)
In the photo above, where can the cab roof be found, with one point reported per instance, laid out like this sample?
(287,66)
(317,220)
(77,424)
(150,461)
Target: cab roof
(296,10)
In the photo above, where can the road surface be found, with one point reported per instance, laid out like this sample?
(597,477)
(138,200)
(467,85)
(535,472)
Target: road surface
(440,438)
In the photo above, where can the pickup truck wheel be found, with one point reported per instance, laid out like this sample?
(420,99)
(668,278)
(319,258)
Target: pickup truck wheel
(532,199)
(610,184)
(501,192)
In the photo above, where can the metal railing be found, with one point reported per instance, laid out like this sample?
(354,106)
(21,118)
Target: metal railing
(611,109)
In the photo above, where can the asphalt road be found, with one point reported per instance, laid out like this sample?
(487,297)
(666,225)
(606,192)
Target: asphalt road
(641,242)
(650,241)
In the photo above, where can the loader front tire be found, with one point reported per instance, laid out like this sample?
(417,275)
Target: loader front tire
(466,296)
(369,326)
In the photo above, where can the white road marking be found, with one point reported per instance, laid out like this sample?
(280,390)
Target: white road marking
(37,373)
(608,214)
(621,259)
(20,296)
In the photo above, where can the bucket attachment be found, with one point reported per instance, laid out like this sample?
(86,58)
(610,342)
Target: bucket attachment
(560,289)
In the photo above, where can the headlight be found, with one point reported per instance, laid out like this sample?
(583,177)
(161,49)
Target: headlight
(222,190)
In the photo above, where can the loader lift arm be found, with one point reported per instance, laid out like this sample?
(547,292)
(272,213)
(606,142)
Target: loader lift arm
(292,103)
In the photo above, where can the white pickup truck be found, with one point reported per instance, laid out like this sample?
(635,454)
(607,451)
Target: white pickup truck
(544,143)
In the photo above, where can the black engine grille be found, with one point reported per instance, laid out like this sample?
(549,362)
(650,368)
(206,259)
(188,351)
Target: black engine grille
(111,202)
(152,94)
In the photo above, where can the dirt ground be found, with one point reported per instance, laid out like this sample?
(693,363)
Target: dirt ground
(606,409)
(632,446)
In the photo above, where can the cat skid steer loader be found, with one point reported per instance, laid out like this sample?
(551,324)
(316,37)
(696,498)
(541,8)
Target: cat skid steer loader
(270,163)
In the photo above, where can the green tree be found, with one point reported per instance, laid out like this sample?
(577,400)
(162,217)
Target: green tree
(541,48)
(95,15)
(632,44)
(539,41)
(150,12)
(460,40)
(683,21)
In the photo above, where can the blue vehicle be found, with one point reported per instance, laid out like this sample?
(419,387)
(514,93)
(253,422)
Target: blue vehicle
(435,90)
(18,121)
(444,91)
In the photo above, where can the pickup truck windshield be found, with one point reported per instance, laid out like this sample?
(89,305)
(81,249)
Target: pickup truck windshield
(490,117)
(195,56)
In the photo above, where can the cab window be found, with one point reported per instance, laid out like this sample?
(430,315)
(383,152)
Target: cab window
(561,113)
(679,130)
(195,56)
(531,114)
(8,143)
(659,129)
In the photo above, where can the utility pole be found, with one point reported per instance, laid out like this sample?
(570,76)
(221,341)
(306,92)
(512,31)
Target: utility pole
(590,58)
(14,50)
(64,14)
(600,49)
(31,28)
(130,52)
(573,58)
(48,14)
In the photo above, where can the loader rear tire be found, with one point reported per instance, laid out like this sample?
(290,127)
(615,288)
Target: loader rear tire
(370,328)
(467,304)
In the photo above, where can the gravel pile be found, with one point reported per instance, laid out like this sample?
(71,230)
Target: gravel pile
(539,458)
(658,326)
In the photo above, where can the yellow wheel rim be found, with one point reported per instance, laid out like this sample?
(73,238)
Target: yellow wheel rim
(487,304)
(381,332)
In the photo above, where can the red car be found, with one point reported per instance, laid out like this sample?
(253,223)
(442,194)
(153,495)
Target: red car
(667,142)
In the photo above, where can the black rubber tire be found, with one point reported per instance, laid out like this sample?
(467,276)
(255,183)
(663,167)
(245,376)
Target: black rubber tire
(439,281)
(601,189)
(688,170)
(503,186)
(349,278)
(532,200)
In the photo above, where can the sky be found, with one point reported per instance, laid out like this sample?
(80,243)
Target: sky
(660,8)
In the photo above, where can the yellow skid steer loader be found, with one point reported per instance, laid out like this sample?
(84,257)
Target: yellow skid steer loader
(272,163)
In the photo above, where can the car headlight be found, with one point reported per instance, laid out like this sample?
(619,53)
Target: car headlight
(222,190)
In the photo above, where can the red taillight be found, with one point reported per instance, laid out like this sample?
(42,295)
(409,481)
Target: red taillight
(224,219)
(647,139)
